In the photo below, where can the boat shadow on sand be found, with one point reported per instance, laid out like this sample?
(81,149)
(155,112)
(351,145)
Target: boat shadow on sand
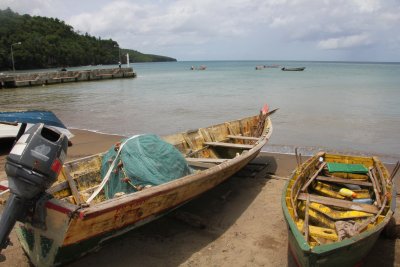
(173,239)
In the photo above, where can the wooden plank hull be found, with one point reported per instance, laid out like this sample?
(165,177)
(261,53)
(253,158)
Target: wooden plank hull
(348,252)
(73,230)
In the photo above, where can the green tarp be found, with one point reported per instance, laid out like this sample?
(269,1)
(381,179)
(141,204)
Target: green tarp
(146,160)
(347,168)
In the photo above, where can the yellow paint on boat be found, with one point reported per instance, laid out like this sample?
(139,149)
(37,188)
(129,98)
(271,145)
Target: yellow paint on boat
(317,217)
(339,214)
(322,232)
(327,190)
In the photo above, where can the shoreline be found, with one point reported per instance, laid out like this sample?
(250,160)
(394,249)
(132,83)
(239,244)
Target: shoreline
(243,220)
(88,142)
(281,148)
(308,151)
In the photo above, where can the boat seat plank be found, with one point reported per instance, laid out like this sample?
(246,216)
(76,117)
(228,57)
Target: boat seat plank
(229,145)
(343,181)
(206,160)
(243,137)
(340,203)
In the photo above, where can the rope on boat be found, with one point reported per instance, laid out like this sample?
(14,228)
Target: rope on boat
(394,172)
(103,183)
(5,191)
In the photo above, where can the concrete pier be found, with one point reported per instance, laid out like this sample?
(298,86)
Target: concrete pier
(47,78)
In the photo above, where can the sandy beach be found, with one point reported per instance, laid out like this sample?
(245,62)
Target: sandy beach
(208,79)
(239,223)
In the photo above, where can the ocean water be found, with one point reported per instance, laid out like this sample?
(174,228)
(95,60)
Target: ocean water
(341,106)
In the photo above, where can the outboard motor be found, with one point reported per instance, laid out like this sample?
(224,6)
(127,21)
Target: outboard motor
(32,167)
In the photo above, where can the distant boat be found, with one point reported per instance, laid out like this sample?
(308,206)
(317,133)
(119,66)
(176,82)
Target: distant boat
(12,121)
(202,67)
(274,66)
(260,67)
(293,69)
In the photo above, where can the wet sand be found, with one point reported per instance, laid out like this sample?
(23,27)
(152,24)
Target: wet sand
(238,223)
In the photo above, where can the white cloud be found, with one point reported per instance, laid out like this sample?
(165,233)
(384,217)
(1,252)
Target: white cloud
(281,22)
(159,25)
(345,42)
(33,7)
(367,6)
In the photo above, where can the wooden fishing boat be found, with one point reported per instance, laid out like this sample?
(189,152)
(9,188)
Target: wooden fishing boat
(335,207)
(293,69)
(77,223)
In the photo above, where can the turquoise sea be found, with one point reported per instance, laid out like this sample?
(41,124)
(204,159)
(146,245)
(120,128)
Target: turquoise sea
(341,106)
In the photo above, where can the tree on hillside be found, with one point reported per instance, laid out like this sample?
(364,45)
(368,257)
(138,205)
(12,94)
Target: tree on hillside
(49,42)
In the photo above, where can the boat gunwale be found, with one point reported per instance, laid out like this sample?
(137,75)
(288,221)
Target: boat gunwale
(326,248)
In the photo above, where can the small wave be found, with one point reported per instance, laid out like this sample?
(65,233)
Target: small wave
(94,131)
(308,151)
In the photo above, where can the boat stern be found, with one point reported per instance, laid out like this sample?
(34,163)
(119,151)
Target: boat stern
(42,245)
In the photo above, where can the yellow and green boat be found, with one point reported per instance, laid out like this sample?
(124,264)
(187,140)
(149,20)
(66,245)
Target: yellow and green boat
(335,207)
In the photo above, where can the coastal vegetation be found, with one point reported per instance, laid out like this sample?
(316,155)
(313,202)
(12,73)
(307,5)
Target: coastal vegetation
(41,42)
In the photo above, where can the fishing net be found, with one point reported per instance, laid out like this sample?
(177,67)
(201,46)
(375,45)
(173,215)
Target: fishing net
(144,160)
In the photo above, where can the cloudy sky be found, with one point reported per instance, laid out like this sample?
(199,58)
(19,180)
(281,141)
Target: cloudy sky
(338,30)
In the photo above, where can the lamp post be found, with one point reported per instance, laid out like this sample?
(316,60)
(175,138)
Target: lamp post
(12,54)
(119,53)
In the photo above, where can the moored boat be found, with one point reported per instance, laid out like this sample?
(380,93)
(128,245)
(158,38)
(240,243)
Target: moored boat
(201,67)
(260,67)
(335,207)
(273,66)
(293,69)
(80,218)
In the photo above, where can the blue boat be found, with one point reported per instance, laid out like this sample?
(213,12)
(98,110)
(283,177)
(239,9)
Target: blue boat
(11,122)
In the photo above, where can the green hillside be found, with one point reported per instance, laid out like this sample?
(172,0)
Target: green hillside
(135,56)
(49,42)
